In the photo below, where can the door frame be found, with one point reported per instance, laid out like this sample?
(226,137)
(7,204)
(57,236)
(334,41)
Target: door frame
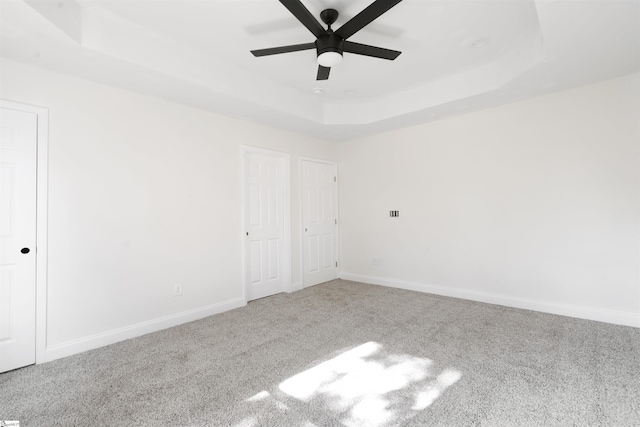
(285,159)
(42,183)
(336,212)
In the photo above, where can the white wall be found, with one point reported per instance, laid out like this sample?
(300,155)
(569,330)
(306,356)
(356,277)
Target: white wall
(533,204)
(143,194)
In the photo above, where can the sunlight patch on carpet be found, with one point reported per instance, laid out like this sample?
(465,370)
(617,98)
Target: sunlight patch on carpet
(247,422)
(259,396)
(372,386)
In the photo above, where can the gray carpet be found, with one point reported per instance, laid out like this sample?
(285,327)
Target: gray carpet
(345,353)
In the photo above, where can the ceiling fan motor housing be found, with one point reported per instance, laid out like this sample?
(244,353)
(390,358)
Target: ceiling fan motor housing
(329,43)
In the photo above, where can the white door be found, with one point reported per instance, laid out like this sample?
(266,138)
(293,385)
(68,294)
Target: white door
(18,141)
(265,233)
(319,222)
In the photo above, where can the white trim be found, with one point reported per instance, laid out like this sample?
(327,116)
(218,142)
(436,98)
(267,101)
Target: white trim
(116,335)
(285,158)
(581,312)
(42,207)
(336,212)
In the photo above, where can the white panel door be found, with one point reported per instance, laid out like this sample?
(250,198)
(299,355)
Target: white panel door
(18,141)
(265,228)
(319,222)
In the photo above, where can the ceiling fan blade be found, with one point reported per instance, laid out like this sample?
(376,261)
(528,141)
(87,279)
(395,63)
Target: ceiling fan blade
(304,16)
(365,49)
(365,17)
(323,73)
(283,49)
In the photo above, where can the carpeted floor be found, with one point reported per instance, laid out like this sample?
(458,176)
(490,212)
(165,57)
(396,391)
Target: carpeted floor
(345,353)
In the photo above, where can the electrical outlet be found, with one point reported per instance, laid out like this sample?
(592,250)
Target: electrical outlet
(376,261)
(177,290)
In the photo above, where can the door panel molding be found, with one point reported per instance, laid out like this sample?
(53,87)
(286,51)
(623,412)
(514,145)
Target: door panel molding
(247,219)
(334,166)
(42,167)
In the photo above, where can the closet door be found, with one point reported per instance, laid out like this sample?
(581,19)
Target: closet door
(18,143)
(319,222)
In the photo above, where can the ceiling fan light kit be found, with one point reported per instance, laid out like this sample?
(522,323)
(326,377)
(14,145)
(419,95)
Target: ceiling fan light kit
(330,45)
(330,58)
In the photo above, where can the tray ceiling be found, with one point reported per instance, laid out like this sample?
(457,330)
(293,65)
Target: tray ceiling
(457,56)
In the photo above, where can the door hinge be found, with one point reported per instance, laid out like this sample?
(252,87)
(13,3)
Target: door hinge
(335,179)
(336,263)
(336,220)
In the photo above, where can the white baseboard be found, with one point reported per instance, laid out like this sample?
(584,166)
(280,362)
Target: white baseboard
(601,315)
(110,337)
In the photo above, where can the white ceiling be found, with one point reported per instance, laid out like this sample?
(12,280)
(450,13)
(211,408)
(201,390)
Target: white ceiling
(196,52)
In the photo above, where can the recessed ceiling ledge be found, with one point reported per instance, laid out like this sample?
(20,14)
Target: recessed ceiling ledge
(523,55)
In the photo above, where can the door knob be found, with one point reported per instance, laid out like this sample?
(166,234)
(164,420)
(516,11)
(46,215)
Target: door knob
(25,250)
(305,230)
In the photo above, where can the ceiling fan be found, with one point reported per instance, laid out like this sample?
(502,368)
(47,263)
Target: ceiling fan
(329,44)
